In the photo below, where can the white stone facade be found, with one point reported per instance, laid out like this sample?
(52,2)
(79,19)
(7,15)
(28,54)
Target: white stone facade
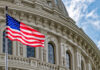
(53,21)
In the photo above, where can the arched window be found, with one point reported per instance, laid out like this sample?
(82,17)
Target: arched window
(30,51)
(9,44)
(68,60)
(51,56)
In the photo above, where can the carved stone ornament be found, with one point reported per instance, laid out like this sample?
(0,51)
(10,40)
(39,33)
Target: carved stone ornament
(18,2)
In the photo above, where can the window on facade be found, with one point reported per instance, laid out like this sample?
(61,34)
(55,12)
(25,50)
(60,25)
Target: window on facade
(21,50)
(9,44)
(49,3)
(51,56)
(68,60)
(82,65)
(56,1)
(30,51)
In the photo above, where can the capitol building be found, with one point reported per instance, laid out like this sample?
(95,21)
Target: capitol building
(67,47)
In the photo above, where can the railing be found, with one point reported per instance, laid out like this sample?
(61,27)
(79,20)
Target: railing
(28,63)
(15,61)
(47,66)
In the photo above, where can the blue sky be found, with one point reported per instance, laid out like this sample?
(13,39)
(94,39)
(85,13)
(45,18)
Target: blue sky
(86,13)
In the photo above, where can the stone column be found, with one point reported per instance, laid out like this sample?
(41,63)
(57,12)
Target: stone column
(37,52)
(24,51)
(77,59)
(44,54)
(20,49)
(14,48)
(88,64)
(57,55)
(41,53)
(64,54)
(41,50)
(46,48)
(61,52)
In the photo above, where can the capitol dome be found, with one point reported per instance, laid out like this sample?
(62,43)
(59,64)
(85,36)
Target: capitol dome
(67,47)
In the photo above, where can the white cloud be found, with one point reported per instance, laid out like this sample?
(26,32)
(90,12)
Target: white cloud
(90,1)
(98,44)
(92,14)
(78,10)
(97,24)
(93,18)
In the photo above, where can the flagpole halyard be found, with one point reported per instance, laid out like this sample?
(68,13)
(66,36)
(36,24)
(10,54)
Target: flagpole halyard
(6,45)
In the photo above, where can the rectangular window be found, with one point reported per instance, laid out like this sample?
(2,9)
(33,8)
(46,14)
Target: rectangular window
(56,1)
(49,3)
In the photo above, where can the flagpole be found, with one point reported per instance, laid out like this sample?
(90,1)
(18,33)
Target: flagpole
(6,45)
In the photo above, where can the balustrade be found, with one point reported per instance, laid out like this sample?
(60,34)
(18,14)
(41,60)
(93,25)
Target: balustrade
(27,63)
(47,66)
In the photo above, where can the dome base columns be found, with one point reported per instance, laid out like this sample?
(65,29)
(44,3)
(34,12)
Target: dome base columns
(61,56)
(62,52)
(78,59)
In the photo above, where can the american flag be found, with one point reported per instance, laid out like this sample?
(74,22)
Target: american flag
(18,31)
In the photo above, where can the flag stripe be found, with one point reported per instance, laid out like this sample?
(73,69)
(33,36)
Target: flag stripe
(27,27)
(25,43)
(31,34)
(28,41)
